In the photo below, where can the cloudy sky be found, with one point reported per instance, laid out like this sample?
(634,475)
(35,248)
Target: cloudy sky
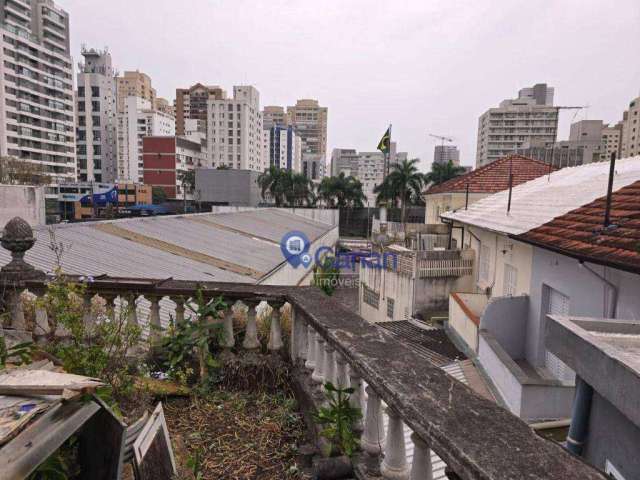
(424,66)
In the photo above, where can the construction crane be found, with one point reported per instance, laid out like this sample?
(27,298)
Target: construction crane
(440,137)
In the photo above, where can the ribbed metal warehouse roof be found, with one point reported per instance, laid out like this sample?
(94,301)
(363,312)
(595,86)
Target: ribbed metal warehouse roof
(538,201)
(226,247)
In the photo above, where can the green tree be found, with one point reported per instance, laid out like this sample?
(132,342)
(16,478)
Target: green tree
(441,172)
(158,195)
(341,191)
(286,188)
(403,185)
(187,179)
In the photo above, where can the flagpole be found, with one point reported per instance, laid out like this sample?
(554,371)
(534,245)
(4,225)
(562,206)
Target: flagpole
(388,156)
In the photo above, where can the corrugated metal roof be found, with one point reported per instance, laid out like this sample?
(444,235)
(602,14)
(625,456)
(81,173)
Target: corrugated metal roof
(253,243)
(537,202)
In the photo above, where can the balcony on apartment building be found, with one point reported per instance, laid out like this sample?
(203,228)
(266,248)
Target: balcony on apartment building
(494,331)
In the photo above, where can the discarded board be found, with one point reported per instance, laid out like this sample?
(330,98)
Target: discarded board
(152,449)
(24,382)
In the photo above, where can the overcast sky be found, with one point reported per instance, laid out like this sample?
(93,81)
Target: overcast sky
(424,66)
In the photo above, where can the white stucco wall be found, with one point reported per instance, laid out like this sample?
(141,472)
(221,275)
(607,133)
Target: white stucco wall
(438,203)
(24,201)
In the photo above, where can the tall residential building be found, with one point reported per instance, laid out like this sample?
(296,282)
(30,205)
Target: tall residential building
(314,166)
(96,128)
(191,103)
(531,118)
(282,148)
(135,84)
(310,121)
(138,120)
(611,141)
(37,122)
(342,161)
(631,130)
(234,130)
(163,105)
(444,154)
(274,116)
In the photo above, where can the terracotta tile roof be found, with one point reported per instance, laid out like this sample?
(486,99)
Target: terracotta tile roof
(580,233)
(494,177)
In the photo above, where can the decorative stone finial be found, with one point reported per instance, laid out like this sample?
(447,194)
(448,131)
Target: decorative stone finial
(17,237)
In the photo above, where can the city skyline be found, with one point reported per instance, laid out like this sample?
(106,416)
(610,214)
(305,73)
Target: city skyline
(337,62)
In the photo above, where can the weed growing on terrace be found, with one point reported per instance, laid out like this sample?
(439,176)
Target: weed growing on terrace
(338,418)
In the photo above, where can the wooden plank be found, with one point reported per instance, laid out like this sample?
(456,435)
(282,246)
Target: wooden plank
(36,390)
(20,457)
(153,453)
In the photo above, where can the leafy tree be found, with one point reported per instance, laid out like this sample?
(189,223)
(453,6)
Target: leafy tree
(158,195)
(187,179)
(14,171)
(441,172)
(403,184)
(285,187)
(341,191)
(223,166)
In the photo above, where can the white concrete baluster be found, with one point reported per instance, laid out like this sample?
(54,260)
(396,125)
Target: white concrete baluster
(17,312)
(251,341)
(299,345)
(42,321)
(312,346)
(356,398)
(394,466)
(275,333)
(155,326)
(179,310)
(342,379)
(228,340)
(132,311)
(329,364)
(373,436)
(318,371)
(421,468)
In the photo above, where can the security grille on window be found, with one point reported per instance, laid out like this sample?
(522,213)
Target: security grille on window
(390,305)
(510,280)
(370,297)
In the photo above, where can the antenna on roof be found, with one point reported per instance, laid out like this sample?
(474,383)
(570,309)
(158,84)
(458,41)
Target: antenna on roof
(607,211)
(510,183)
(466,197)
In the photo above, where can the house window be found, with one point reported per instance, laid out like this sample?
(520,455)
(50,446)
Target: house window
(558,304)
(390,305)
(483,273)
(370,297)
(510,280)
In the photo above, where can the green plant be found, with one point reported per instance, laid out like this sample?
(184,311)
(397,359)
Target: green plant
(338,418)
(53,468)
(187,343)
(19,354)
(194,463)
(325,275)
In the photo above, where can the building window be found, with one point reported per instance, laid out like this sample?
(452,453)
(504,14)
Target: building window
(510,280)
(95,92)
(483,273)
(370,297)
(390,306)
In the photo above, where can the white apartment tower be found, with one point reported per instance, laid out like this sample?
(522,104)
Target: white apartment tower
(631,130)
(96,126)
(282,148)
(234,130)
(37,121)
(444,154)
(531,119)
(137,120)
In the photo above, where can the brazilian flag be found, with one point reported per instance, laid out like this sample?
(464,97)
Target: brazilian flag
(385,142)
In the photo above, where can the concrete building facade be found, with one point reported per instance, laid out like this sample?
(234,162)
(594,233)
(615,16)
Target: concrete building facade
(238,188)
(274,116)
(192,103)
(631,130)
(37,120)
(343,160)
(96,128)
(134,84)
(310,122)
(136,121)
(282,148)
(530,118)
(443,154)
(234,130)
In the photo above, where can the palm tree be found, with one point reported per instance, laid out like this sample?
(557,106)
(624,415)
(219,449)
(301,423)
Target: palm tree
(187,179)
(341,191)
(403,183)
(285,187)
(441,172)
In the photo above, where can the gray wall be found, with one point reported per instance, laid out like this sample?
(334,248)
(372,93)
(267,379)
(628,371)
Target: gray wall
(22,201)
(506,319)
(588,296)
(613,437)
(232,187)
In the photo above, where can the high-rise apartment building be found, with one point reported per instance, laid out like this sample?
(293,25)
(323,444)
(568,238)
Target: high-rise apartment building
(631,130)
(274,116)
(443,154)
(138,120)
(529,119)
(37,123)
(282,148)
(343,160)
(134,84)
(611,141)
(310,122)
(163,105)
(191,103)
(96,129)
(234,130)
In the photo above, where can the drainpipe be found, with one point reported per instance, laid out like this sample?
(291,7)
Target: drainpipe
(579,429)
